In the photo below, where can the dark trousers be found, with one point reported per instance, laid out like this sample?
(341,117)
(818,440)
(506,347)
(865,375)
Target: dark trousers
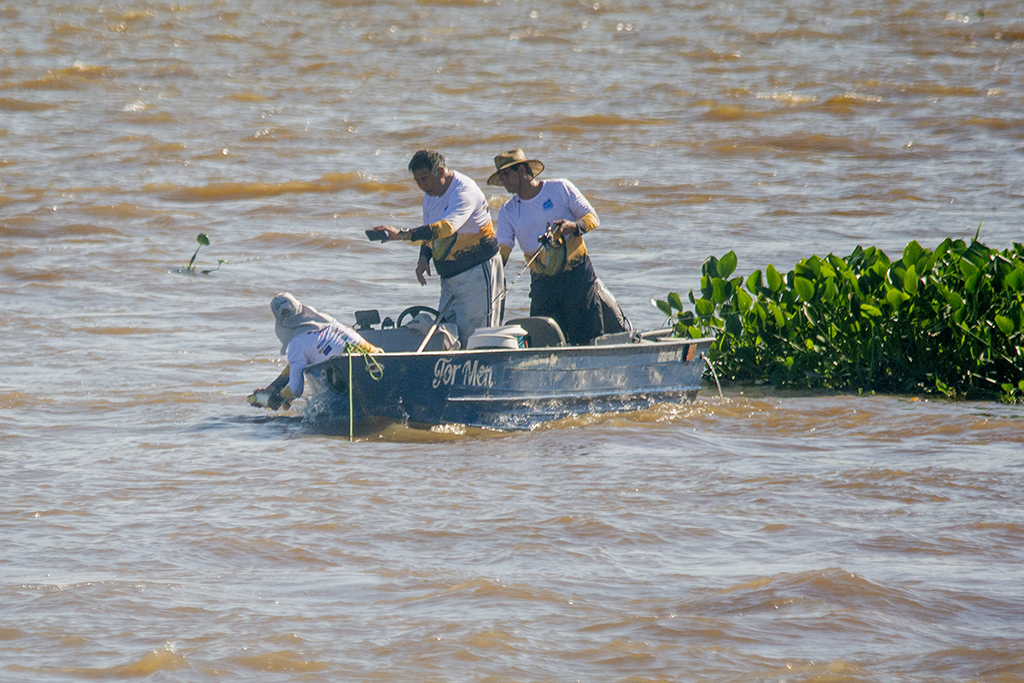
(572,299)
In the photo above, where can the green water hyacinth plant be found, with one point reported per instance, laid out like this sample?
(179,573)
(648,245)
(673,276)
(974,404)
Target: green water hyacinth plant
(204,241)
(948,320)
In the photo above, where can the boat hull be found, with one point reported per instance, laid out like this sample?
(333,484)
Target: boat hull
(506,389)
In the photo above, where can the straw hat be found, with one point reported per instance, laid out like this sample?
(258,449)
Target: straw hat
(511,158)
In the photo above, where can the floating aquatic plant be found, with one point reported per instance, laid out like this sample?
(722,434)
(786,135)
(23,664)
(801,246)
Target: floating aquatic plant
(220,262)
(948,321)
(204,241)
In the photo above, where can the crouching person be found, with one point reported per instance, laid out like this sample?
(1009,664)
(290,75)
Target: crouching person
(307,337)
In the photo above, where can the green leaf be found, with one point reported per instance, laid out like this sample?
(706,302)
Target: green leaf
(733,325)
(867,310)
(827,270)
(1004,324)
(754,281)
(203,239)
(674,302)
(805,269)
(830,289)
(758,310)
(710,267)
(910,281)
(814,263)
(912,253)
(804,288)
(1015,280)
(704,307)
(726,265)
(971,284)
(743,300)
(663,307)
(774,279)
(978,254)
(953,299)
(220,262)
(721,290)
(895,297)
(967,268)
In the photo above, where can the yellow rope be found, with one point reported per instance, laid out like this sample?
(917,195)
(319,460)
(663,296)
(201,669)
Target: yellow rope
(373,368)
(350,408)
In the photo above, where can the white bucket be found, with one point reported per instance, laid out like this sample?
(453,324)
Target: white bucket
(502,337)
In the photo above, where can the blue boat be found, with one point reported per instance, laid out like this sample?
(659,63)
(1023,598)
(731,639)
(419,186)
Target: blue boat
(498,385)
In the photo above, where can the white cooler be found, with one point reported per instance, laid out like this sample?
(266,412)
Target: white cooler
(501,337)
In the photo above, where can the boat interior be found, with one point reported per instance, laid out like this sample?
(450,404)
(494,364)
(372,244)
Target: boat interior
(407,332)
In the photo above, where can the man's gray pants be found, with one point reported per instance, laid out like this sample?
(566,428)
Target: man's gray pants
(473,298)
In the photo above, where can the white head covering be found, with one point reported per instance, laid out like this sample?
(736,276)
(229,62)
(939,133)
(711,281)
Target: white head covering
(292,319)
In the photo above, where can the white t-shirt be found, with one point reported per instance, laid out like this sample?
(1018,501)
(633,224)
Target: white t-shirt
(463,206)
(316,347)
(526,220)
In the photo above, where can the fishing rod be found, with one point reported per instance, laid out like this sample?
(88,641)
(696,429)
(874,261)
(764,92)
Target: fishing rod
(437,321)
(545,240)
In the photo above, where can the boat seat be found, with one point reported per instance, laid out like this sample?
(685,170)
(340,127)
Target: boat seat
(402,339)
(540,331)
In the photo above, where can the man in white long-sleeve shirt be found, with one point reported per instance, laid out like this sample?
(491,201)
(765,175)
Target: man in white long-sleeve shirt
(564,286)
(307,337)
(457,234)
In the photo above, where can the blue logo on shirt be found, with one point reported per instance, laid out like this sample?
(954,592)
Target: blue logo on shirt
(548,205)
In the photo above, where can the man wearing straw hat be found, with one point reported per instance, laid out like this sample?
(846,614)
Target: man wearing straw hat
(458,235)
(563,284)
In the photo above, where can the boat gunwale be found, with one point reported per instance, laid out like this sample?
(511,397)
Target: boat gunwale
(647,344)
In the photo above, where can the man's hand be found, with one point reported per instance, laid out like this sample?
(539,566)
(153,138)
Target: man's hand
(422,266)
(271,398)
(286,397)
(393,232)
(565,228)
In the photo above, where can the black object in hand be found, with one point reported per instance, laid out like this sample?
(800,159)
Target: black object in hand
(377,235)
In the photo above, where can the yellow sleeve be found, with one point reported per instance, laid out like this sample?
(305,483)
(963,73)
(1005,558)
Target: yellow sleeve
(588,222)
(442,229)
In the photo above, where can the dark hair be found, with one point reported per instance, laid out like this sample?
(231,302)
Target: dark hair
(427,159)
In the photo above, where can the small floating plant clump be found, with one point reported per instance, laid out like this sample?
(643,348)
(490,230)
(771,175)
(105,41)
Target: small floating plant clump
(204,241)
(947,321)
